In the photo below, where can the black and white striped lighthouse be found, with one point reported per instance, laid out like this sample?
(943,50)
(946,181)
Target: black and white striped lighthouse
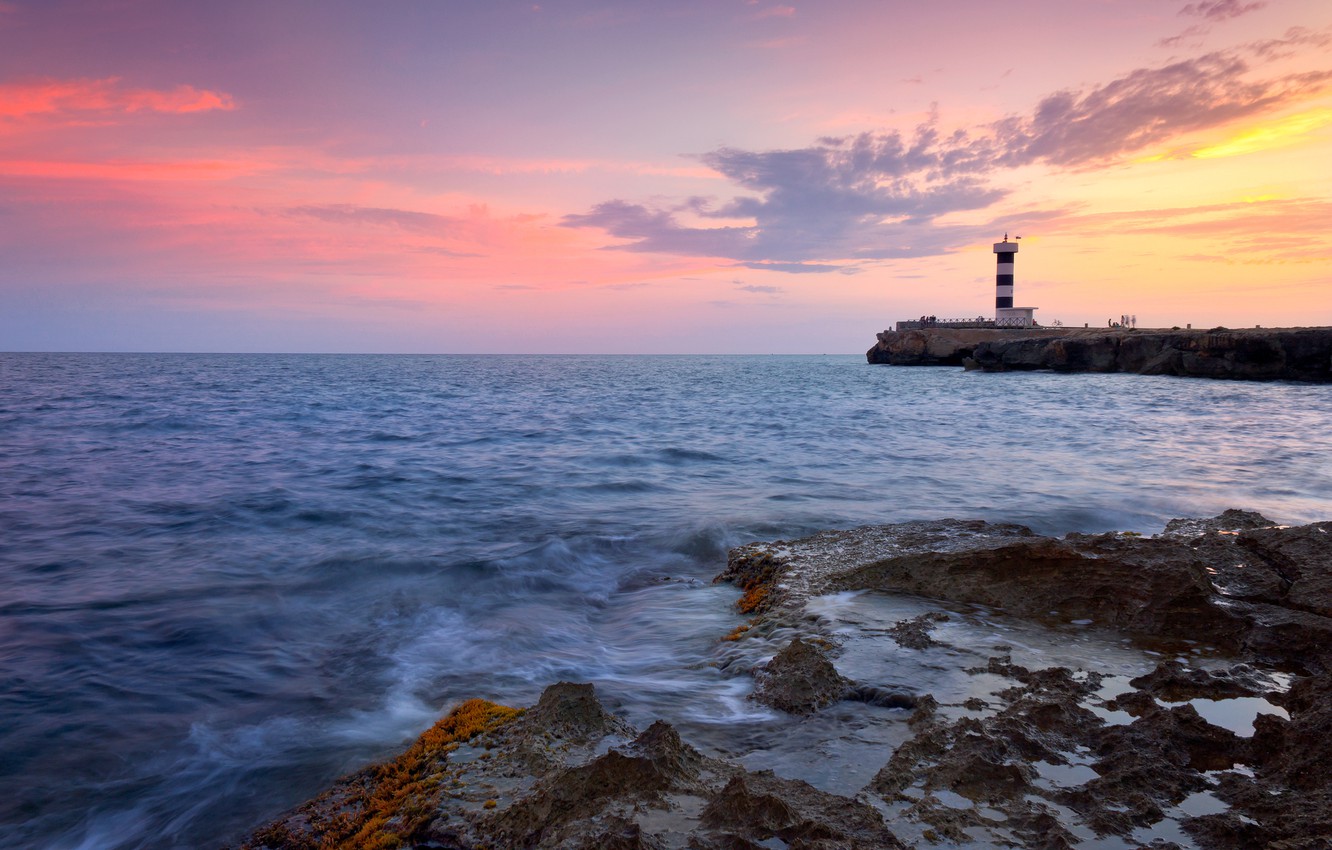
(1003,276)
(1005,314)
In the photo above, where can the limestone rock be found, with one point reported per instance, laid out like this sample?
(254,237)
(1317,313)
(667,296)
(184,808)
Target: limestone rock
(1235,581)
(935,346)
(1143,586)
(800,680)
(1172,682)
(569,775)
(596,790)
(760,806)
(1253,354)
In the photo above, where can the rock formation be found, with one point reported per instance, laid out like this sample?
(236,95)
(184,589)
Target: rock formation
(594,784)
(1236,581)
(799,680)
(942,346)
(1295,354)
(1050,757)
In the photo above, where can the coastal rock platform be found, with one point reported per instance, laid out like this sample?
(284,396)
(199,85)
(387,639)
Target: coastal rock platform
(1003,738)
(1256,354)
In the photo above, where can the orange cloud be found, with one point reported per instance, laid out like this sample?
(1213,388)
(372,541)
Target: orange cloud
(63,97)
(1278,229)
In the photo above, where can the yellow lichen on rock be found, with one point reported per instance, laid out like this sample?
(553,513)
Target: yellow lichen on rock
(754,572)
(383,805)
(753,599)
(738,632)
(398,795)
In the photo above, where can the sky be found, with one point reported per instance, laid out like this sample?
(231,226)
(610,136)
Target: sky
(694,176)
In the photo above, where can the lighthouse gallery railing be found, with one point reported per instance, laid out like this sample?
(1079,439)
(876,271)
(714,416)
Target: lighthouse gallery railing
(1010,322)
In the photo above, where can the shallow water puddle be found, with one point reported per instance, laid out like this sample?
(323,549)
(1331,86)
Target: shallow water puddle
(967,639)
(1063,775)
(840,749)
(952,799)
(674,823)
(1202,803)
(1237,714)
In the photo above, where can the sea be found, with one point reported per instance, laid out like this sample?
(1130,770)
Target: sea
(225,580)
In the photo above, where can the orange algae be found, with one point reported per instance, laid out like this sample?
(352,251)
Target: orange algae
(403,781)
(388,802)
(753,598)
(737,633)
(755,573)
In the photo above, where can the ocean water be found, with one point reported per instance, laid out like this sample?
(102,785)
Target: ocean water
(225,580)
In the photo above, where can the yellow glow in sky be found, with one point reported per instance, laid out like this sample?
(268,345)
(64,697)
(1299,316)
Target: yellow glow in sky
(1287,131)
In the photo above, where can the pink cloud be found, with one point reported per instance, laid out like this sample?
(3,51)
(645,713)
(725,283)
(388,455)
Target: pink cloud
(500,166)
(173,225)
(844,201)
(1180,38)
(130,170)
(181,99)
(67,97)
(1220,10)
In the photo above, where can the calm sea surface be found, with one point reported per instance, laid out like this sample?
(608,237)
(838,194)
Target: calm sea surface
(225,580)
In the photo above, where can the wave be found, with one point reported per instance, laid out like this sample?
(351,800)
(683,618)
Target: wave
(232,582)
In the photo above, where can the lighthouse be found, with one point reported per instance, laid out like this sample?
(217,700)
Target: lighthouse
(1005,314)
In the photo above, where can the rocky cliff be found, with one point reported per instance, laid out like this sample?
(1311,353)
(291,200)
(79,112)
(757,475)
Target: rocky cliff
(1258,354)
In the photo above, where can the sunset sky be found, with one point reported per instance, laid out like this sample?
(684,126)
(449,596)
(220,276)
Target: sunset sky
(709,176)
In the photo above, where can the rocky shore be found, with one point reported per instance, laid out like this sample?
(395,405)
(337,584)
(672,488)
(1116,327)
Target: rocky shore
(1257,354)
(1229,613)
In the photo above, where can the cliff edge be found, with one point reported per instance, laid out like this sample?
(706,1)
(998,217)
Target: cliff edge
(1257,354)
